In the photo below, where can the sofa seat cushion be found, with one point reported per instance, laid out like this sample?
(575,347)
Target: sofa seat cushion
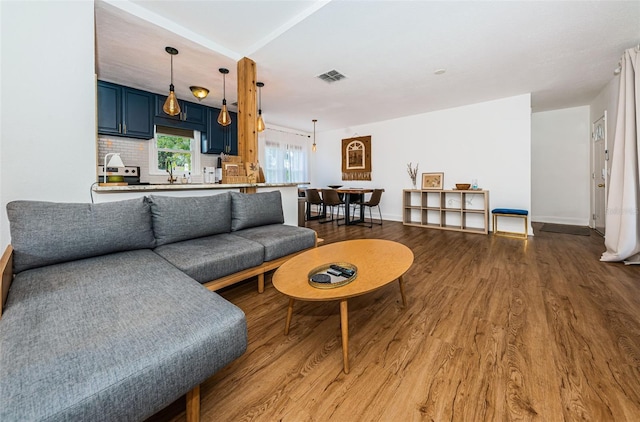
(116,337)
(45,233)
(209,258)
(177,218)
(279,239)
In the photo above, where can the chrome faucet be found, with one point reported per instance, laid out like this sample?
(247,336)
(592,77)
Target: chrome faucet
(169,165)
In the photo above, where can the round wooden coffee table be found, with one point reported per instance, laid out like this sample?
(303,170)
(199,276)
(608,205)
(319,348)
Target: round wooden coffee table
(379,262)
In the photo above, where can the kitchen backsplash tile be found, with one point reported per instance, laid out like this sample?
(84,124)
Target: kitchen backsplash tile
(135,152)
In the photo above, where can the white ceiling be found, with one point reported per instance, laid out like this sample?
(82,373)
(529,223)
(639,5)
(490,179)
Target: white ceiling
(563,53)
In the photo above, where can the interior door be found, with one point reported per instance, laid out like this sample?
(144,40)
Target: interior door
(600,173)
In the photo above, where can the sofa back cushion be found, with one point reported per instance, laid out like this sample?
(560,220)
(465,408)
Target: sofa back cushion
(176,219)
(255,209)
(45,233)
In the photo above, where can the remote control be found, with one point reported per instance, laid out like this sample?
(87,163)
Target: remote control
(335,272)
(345,271)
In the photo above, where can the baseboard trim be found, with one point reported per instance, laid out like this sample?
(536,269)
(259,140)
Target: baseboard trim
(560,220)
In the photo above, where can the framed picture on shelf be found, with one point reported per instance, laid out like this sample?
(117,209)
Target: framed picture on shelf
(432,180)
(253,171)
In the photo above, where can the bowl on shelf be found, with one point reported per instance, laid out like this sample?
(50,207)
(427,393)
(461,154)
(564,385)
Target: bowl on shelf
(335,186)
(463,186)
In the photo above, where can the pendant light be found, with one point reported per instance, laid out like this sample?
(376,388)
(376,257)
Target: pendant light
(199,92)
(171,106)
(313,147)
(260,124)
(224,118)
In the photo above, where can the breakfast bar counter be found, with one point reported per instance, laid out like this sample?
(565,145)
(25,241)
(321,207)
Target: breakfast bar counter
(187,186)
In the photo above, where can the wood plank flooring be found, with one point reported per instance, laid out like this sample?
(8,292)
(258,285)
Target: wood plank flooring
(495,329)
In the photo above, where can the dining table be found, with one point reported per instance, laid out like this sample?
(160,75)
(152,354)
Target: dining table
(348,193)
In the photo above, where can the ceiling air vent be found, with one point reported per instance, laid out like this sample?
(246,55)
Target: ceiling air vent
(331,76)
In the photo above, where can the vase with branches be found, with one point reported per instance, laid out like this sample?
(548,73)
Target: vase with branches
(413,173)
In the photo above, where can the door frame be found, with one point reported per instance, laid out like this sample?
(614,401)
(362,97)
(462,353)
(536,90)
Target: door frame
(593,170)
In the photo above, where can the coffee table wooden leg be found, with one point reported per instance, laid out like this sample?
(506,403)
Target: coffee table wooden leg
(289,314)
(404,299)
(344,326)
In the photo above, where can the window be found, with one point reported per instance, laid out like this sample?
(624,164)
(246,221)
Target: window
(177,148)
(285,157)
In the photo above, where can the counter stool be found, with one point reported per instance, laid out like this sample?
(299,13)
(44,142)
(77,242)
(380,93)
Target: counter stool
(510,212)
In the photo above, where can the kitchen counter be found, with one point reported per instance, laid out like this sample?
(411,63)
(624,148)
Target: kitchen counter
(188,186)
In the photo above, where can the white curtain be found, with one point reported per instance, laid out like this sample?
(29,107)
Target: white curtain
(622,232)
(284,156)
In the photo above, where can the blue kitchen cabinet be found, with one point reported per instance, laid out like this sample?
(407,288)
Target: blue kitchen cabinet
(137,113)
(109,109)
(124,111)
(191,116)
(219,138)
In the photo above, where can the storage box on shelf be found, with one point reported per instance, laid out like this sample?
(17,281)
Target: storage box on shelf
(236,171)
(459,210)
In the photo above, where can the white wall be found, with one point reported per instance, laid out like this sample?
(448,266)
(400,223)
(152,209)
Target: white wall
(47,148)
(560,176)
(489,141)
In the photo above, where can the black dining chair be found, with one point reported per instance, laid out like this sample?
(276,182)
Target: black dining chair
(331,199)
(314,198)
(374,201)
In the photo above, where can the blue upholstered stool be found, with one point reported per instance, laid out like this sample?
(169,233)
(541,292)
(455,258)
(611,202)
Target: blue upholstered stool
(510,212)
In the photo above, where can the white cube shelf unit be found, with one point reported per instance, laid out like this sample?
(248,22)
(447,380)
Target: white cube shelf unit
(459,210)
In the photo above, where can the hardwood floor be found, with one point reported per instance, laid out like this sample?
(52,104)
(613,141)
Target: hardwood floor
(495,329)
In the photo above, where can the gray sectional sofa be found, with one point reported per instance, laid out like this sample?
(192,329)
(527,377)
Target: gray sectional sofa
(108,318)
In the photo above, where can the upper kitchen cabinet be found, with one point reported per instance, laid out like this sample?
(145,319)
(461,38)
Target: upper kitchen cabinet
(192,115)
(219,138)
(124,111)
